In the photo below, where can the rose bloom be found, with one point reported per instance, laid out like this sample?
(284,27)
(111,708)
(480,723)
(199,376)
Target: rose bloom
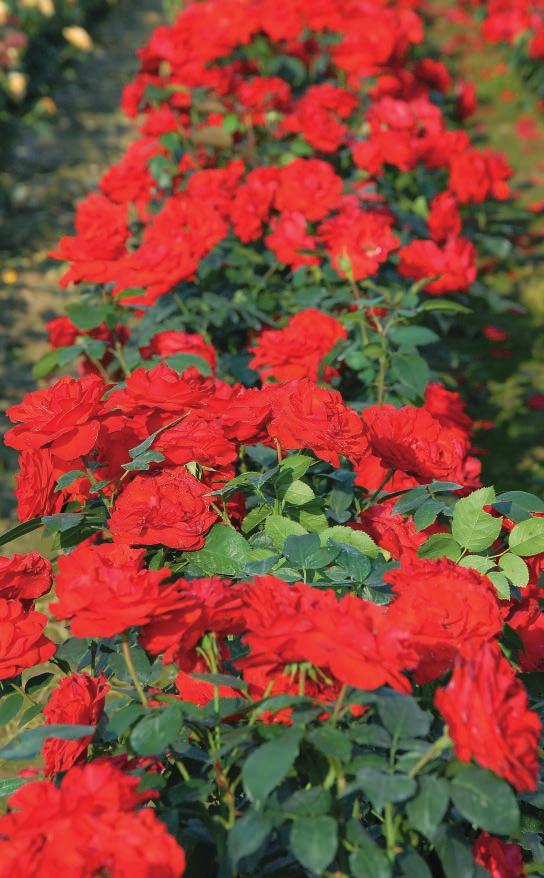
(391,532)
(78,699)
(486,709)
(25,577)
(22,641)
(87,826)
(412,440)
(62,417)
(292,624)
(169,509)
(297,350)
(105,589)
(36,483)
(165,344)
(444,607)
(308,416)
(501,859)
(453,264)
(309,187)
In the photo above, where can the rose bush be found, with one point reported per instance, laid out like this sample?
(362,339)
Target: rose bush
(295,635)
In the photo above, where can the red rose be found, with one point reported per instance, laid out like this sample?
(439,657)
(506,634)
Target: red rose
(453,264)
(172,341)
(24,577)
(501,859)
(22,641)
(486,709)
(78,699)
(445,608)
(309,187)
(252,203)
(444,217)
(307,416)
(289,240)
(527,620)
(62,417)
(476,175)
(391,531)
(297,350)
(297,624)
(36,484)
(85,827)
(200,606)
(104,589)
(412,440)
(358,241)
(169,509)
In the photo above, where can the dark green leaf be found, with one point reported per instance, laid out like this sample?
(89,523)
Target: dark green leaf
(383,788)
(369,861)
(247,835)
(403,717)
(10,706)
(314,841)
(426,810)
(20,530)
(10,784)
(226,552)
(30,742)
(485,800)
(267,766)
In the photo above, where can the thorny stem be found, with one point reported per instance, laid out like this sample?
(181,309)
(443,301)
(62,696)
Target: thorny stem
(132,670)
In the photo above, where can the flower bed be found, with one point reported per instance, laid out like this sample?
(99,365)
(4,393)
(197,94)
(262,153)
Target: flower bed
(292,618)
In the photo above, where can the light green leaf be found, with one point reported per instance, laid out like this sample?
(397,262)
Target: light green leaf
(472,527)
(515,569)
(278,528)
(226,552)
(527,537)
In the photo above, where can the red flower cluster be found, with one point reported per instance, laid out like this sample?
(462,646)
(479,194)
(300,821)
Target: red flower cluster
(86,827)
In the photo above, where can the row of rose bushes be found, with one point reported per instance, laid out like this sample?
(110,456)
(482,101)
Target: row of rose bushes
(293,623)
(37,37)
(518,24)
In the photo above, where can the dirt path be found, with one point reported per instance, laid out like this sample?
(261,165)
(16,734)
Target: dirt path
(47,173)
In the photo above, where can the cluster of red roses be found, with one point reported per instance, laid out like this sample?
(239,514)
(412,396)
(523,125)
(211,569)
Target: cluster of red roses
(148,459)
(309,211)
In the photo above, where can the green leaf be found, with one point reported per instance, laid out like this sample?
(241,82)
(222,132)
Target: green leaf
(143,461)
(30,742)
(20,530)
(501,584)
(87,315)
(314,841)
(477,562)
(10,784)
(278,528)
(267,766)
(62,521)
(518,505)
(444,305)
(68,478)
(426,810)
(153,734)
(403,717)
(349,537)
(412,335)
(383,788)
(312,802)
(331,742)
(298,493)
(414,866)
(515,569)
(426,513)
(411,371)
(45,364)
(472,527)
(369,861)
(226,552)
(180,362)
(10,706)
(356,565)
(247,835)
(455,854)
(296,464)
(306,552)
(485,800)
(440,546)
(527,537)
